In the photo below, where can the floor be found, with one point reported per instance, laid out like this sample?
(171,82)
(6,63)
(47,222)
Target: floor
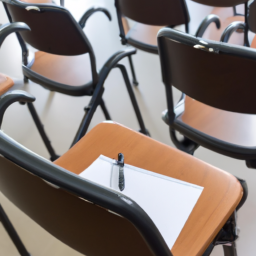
(62,115)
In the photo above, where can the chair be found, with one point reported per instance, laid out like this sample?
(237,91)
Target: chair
(246,27)
(9,94)
(65,62)
(218,80)
(157,14)
(88,215)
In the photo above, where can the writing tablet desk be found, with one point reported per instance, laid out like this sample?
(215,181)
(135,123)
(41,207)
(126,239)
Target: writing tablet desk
(222,191)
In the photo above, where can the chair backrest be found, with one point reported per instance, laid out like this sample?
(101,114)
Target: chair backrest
(155,12)
(53,29)
(89,218)
(217,74)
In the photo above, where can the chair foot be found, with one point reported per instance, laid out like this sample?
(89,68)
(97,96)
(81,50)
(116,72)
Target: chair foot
(25,79)
(53,158)
(251,163)
(135,82)
(147,133)
(134,78)
(12,233)
(41,131)
(185,145)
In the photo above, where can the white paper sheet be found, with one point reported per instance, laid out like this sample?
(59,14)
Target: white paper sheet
(167,201)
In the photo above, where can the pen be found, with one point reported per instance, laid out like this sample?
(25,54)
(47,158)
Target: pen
(120,162)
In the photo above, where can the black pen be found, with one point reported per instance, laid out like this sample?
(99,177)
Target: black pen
(120,162)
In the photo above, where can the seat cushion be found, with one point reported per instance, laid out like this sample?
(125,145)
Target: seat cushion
(227,126)
(221,189)
(226,16)
(5,84)
(69,70)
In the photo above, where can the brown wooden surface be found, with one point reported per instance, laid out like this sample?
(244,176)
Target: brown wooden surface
(69,70)
(144,33)
(5,83)
(232,127)
(226,16)
(222,192)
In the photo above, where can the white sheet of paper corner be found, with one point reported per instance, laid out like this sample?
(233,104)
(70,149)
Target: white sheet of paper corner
(167,201)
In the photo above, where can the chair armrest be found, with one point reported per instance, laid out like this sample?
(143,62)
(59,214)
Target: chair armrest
(234,26)
(206,22)
(13,96)
(90,12)
(9,28)
(113,61)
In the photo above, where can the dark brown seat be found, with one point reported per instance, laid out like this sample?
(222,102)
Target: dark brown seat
(88,215)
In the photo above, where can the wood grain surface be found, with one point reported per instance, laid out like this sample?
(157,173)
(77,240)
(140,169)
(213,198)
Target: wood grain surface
(222,192)
(69,70)
(228,126)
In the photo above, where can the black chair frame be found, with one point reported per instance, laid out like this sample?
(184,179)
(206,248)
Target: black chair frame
(62,178)
(249,25)
(194,138)
(112,201)
(200,31)
(94,88)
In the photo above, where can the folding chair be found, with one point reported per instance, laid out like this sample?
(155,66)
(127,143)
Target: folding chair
(152,15)
(88,215)
(218,80)
(65,62)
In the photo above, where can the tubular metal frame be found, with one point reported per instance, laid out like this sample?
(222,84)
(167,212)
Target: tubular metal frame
(94,89)
(154,50)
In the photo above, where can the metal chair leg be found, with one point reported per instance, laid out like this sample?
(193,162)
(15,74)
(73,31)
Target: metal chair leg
(95,101)
(208,250)
(62,2)
(105,110)
(42,132)
(230,250)
(134,79)
(12,233)
(133,99)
